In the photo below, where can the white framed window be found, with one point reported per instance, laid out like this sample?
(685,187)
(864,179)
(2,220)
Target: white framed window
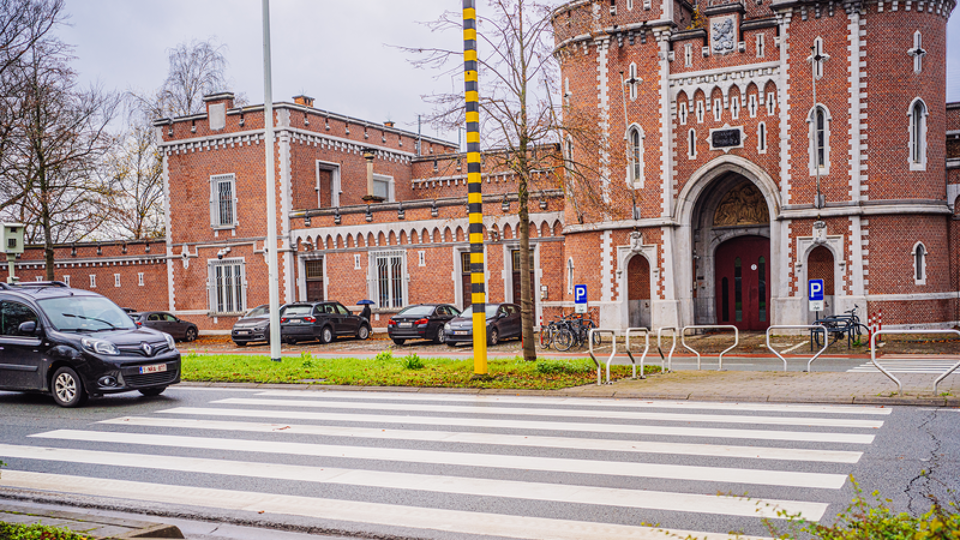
(39,278)
(633,82)
(735,108)
(819,120)
(818,52)
(752,105)
(682,115)
(917,52)
(223,201)
(140,279)
(771,103)
(328,184)
(383,186)
(635,150)
(93,281)
(700,111)
(919,264)
(116,280)
(226,286)
(566,91)
(389,271)
(918,135)
(761,138)
(421,258)
(688,55)
(66,279)
(570,276)
(692,144)
(630,4)
(761,45)
(356,261)
(717,109)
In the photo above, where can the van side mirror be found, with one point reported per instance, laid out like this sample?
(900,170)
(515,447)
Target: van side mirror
(28,328)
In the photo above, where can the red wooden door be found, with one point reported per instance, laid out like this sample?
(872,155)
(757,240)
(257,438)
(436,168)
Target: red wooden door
(743,283)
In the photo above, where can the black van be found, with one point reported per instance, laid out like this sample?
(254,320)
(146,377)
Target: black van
(73,344)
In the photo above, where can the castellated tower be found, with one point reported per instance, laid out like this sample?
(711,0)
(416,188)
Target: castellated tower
(713,124)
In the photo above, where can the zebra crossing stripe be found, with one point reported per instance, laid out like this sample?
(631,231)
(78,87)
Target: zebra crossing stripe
(450,521)
(479,487)
(807,436)
(466,459)
(568,413)
(604,445)
(585,402)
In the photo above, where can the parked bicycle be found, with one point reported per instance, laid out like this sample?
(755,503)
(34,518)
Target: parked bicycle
(848,324)
(568,331)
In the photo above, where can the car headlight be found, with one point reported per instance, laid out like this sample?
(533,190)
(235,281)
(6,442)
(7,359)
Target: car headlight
(170,342)
(99,346)
(446,327)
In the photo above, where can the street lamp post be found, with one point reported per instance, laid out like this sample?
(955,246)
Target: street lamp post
(271,246)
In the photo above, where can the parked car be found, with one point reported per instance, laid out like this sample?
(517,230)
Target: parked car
(503,321)
(165,322)
(422,321)
(323,321)
(254,326)
(74,344)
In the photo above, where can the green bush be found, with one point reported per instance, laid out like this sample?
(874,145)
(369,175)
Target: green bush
(12,531)
(411,361)
(385,356)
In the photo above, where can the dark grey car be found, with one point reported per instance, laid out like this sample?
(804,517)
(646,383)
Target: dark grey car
(254,326)
(323,321)
(503,321)
(165,322)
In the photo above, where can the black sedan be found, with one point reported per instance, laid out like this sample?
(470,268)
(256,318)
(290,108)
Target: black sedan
(323,321)
(254,326)
(503,321)
(423,321)
(165,322)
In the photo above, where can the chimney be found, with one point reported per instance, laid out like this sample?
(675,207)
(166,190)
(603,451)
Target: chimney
(225,98)
(306,101)
(389,123)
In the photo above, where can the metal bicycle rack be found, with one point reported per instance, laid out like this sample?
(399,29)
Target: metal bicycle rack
(669,359)
(613,335)
(646,349)
(873,354)
(798,327)
(683,340)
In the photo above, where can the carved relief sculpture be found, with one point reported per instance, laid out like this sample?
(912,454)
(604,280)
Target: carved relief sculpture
(722,33)
(742,205)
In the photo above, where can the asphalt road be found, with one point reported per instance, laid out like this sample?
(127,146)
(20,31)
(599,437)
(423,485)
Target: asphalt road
(466,466)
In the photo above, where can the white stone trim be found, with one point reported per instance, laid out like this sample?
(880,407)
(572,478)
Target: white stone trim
(783,94)
(606,266)
(917,297)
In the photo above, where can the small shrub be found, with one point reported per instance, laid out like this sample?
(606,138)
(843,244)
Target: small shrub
(15,531)
(385,356)
(411,361)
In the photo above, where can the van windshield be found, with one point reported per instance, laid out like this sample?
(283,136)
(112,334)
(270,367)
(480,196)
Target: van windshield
(85,314)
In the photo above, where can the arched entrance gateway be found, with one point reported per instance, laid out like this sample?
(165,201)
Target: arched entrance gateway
(732,266)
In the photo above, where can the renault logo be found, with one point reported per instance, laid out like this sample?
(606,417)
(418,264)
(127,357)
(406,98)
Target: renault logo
(147,349)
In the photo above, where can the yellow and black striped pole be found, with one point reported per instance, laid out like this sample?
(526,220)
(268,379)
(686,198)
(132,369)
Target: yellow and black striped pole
(471,85)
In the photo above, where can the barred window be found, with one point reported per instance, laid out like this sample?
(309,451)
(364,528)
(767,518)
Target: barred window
(223,201)
(390,270)
(226,286)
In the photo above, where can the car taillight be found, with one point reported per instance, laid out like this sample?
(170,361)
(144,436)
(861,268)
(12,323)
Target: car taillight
(139,323)
(422,321)
(310,319)
(283,319)
(391,322)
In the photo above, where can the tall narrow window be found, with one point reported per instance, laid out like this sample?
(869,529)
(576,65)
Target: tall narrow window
(735,108)
(918,135)
(717,109)
(683,113)
(917,52)
(687,55)
(761,45)
(920,264)
(818,53)
(636,156)
(821,137)
(819,121)
(223,201)
(771,103)
(633,81)
(570,276)
(700,111)
(762,138)
(566,91)
(752,105)
(692,144)
(738,289)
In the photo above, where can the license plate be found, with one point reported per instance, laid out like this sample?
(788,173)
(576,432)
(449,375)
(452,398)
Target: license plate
(243,332)
(295,321)
(461,333)
(156,368)
(406,325)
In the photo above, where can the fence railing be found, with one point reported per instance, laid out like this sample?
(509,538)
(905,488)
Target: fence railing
(669,358)
(646,349)
(736,333)
(873,354)
(798,327)
(613,351)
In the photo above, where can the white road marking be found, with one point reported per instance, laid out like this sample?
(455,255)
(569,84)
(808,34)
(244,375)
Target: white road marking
(452,521)
(569,413)
(575,494)
(605,445)
(811,436)
(464,459)
(583,402)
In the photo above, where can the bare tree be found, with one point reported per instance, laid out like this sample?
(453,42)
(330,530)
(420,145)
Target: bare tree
(197,69)
(60,139)
(521,126)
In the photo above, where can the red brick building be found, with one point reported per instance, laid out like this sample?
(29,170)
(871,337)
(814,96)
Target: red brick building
(711,148)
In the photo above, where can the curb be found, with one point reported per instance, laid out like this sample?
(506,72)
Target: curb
(96,527)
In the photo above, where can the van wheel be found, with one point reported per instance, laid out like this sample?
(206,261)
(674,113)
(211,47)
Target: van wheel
(152,392)
(67,388)
(326,335)
(191,335)
(364,332)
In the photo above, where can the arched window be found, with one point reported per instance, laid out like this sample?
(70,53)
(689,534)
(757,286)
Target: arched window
(635,157)
(918,135)
(819,120)
(919,264)
(762,138)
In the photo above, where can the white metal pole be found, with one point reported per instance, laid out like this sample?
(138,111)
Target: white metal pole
(271,246)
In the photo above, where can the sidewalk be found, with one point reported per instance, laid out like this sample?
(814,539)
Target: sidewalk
(97,527)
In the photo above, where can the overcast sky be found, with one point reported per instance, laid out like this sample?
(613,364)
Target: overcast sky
(334,51)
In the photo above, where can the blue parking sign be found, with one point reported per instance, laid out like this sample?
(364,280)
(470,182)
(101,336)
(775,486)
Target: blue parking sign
(815,290)
(580,294)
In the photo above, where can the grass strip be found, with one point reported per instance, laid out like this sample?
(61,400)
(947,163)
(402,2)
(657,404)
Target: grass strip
(16,531)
